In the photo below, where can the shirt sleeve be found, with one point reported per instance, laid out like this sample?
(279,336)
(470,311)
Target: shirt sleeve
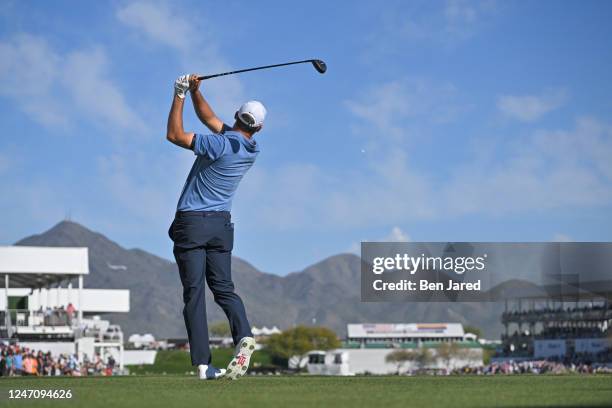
(225,128)
(212,146)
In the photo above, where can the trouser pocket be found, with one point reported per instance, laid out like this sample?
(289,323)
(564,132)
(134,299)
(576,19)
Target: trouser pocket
(229,240)
(171,231)
(189,232)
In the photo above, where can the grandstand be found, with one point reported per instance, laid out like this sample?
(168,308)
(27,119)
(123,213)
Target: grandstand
(383,335)
(562,322)
(367,346)
(40,310)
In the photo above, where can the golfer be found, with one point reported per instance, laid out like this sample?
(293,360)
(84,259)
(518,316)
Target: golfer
(202,230)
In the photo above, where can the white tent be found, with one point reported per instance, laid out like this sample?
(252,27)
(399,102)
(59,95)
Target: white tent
(141,340)
(264,331)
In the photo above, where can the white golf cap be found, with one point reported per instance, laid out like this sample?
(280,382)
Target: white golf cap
(252,113)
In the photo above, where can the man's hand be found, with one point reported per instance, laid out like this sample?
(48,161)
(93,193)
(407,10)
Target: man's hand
(181,85)
(194,83)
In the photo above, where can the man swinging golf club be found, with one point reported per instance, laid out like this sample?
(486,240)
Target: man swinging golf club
(202,231)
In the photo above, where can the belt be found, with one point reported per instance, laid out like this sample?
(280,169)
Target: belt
(224,214)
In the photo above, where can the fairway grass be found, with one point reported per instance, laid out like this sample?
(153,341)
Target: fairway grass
(306,391)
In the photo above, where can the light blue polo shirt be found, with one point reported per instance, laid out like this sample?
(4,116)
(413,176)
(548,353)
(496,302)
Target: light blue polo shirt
(221,162)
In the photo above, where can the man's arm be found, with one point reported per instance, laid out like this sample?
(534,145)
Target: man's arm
(202,108)
(175,132)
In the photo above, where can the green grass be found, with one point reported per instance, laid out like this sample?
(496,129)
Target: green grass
(306,391)
(178,362)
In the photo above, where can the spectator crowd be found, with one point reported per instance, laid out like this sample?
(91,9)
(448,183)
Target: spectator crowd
(557,332)
(550,366)
(16,361)
(574,312)
(58,316)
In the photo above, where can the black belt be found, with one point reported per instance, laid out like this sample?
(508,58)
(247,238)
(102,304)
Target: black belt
(224,214)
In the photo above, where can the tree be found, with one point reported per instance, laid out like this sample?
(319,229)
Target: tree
(446,352)
(399,358)
(487,354)
(423,357)
(220,329)
(300,340)
(473,329)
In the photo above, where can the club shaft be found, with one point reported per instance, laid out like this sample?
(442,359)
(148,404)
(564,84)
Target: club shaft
(251,69)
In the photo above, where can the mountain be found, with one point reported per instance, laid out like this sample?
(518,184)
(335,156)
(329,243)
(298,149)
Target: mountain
(326,293)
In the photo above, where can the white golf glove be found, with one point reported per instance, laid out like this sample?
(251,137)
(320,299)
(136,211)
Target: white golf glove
(181,86)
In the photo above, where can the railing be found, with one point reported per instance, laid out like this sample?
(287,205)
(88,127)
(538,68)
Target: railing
(28,318)
(535,316)
(42,321)
(103,336)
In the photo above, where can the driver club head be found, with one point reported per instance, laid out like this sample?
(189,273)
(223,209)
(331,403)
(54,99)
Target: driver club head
(319,66)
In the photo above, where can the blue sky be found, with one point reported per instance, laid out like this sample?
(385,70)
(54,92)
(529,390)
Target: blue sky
(436,121)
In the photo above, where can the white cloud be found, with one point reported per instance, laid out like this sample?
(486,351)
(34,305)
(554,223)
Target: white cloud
(529,108)
(463,17)
(384,105)
(463,12)
(194,42)
(417,24)
(543,171)
(147,189)
(29,74)
(392,115)
(291,196)
(560,237)
(551,169)
(397,235)
(355,248)
(85,75)
(158,22)
(57,89)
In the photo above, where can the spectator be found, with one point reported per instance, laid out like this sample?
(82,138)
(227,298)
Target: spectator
(28,364)
(40,363)
(110,365)
(70,310)
(3,369)
(10,363)
(18,360)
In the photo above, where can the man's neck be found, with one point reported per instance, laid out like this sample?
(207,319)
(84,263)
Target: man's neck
(242,132)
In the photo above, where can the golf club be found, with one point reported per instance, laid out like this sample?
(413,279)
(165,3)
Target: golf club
(318,64)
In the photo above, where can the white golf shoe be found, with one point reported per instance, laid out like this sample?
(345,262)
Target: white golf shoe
(242,356)
(209,372)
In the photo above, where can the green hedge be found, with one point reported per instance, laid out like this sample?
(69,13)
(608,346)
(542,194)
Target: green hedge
(179,362)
